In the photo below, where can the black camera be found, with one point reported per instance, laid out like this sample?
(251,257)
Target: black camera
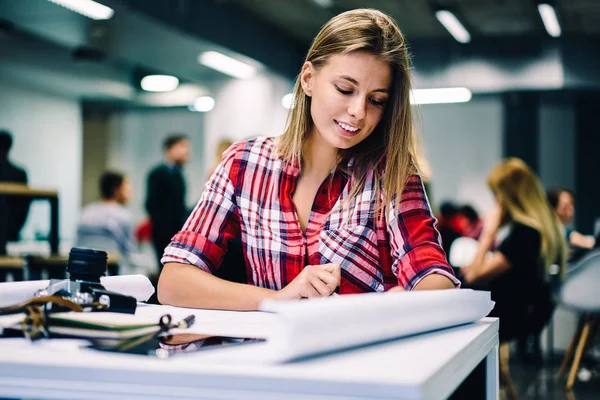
(85,267)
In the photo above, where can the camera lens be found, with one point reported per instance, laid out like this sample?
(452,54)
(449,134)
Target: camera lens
(86,264)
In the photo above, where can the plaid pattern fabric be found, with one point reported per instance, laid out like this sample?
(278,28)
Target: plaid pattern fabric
(250,195)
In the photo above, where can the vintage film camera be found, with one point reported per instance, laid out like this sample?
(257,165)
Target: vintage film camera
(85,267)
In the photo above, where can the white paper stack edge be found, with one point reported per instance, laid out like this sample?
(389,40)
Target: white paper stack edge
(137,286)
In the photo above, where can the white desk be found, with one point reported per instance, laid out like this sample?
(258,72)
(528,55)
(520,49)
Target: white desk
(427,366)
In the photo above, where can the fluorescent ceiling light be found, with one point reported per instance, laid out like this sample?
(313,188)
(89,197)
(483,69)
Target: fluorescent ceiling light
(88,8)
(287,101)
(226,65)
(324,3)
(203,104)
(184,95)
(453,25)
(436,96)
(159,83)
(549,18)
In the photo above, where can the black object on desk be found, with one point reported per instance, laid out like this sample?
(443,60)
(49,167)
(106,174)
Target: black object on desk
(85,268)
(174,345)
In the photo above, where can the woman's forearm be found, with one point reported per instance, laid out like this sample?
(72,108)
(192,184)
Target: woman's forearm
(494,265)
(184,285)
(485,243)
(488,235)
(435,282)
(579,240)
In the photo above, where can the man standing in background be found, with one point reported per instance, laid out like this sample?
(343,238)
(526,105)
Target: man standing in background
(165,199)
(13,209)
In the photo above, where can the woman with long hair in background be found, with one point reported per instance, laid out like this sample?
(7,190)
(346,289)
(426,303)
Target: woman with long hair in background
(519,271)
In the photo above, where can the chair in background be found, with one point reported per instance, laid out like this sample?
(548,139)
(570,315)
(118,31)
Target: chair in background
(579,293)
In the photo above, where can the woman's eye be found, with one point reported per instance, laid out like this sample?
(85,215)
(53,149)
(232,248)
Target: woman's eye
(342,91)
(378,103)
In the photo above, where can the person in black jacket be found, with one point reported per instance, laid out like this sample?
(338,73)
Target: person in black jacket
(165,200)
(13,209)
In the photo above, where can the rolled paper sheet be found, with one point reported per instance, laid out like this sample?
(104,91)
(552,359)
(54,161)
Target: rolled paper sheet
(333,323)
(137,286)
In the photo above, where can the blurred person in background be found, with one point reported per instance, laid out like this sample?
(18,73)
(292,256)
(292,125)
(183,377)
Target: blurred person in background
(107,224)
(519,270)
(474,224)
(563,202)
(13,209)
(334,204)
(166,190)
(451,224)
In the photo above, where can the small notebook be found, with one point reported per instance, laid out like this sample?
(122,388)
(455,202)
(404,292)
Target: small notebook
(101,325)
(90,325)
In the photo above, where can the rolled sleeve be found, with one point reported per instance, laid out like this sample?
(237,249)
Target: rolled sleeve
(213,222)
(415,242)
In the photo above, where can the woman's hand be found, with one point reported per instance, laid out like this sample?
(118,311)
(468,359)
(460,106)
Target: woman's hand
(313,281)
(491,224)
(492,220)
(467,272)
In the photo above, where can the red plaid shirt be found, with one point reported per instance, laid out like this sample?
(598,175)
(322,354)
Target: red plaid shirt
(250,196)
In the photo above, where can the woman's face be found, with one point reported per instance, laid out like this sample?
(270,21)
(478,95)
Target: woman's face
(348,97)
(565,209)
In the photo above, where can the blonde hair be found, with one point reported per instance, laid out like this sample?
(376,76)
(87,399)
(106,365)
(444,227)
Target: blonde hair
(223,145)
(394,140)
(524,200)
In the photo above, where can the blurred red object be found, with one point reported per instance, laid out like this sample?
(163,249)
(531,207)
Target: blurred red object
(143,232)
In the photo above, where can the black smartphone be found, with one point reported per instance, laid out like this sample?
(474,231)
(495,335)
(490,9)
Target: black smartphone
(171,345)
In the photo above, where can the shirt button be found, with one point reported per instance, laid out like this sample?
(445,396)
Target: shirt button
(323,191)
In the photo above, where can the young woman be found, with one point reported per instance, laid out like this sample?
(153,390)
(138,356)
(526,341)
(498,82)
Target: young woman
(335,203)
(518,270)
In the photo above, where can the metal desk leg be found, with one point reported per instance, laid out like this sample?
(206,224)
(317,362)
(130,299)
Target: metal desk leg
(492,385)
(550,340)
(54,227)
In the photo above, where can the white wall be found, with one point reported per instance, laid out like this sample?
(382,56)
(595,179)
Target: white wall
(246,108)
(462,143)
(47,136)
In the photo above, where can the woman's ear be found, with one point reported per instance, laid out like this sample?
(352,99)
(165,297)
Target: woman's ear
(306,78)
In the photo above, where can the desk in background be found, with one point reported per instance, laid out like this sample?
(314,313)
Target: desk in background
(12,265)
(428,366)
(55,267)
(17,189)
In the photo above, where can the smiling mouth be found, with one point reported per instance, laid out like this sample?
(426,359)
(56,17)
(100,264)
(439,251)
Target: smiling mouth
(348,128)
